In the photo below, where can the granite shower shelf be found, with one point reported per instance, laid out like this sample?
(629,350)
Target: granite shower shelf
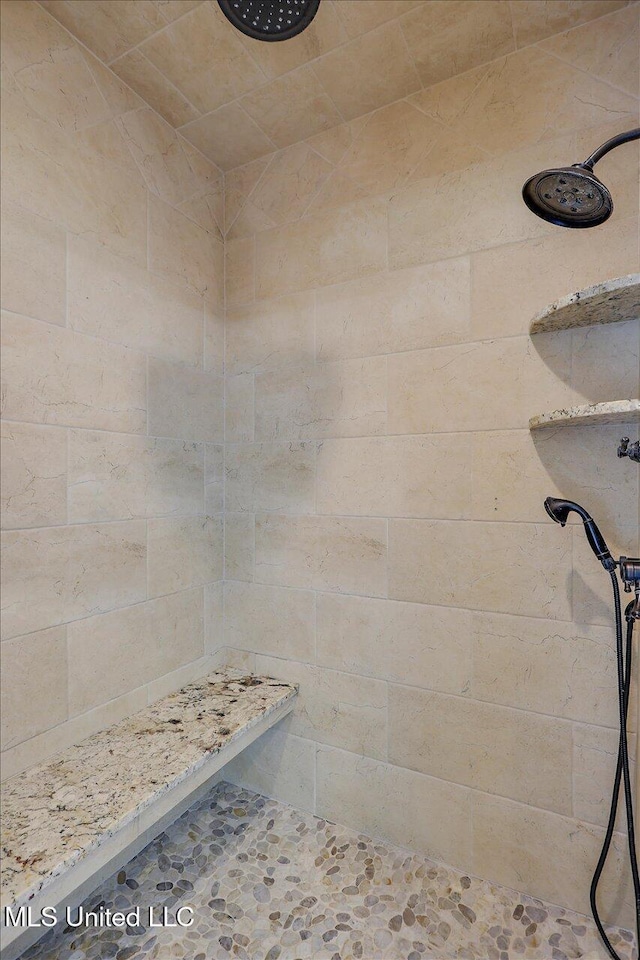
(613,301)
(67,823)
(612,411)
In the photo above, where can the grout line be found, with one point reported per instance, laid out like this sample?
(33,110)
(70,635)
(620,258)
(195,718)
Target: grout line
(578,625)
(289,440)
(163,77)
(572,722)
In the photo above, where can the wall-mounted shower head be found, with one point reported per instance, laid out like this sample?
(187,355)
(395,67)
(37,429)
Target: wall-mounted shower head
(559,511)
(568,197)
(574,196)
(270,19)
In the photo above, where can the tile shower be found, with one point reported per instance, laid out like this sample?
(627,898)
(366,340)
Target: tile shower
(267,381)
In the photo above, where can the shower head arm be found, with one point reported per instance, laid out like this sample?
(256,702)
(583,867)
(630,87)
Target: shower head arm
(611,144)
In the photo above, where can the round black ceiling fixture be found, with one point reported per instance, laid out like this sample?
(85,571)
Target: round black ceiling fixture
(270,19)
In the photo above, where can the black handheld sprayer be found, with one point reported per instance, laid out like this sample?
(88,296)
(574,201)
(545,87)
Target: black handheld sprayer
(629,569)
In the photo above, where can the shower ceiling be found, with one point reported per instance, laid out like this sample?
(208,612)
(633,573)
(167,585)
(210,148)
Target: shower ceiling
(237,99)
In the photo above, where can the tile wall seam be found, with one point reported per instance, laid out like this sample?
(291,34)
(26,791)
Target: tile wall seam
(366,596)
(439,692)
(473,791)
(103,613)
(588,73)
(160,30)
(117,433)
(170,83)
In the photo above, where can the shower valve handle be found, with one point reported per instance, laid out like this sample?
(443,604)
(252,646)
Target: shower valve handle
(630,573)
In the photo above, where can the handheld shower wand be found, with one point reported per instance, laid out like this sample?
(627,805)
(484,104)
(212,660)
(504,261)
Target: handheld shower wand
(559,511)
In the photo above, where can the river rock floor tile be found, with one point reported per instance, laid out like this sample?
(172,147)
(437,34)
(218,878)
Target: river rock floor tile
(267,882)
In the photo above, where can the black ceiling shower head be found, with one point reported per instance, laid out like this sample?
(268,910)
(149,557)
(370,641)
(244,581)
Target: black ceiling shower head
(574,196)
(270,19)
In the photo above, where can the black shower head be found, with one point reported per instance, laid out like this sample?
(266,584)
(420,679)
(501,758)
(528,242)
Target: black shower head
(574,196)
(559,511)
(568,197)
(270,19)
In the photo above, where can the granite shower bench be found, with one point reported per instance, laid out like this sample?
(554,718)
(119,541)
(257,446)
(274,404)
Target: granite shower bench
(71,821)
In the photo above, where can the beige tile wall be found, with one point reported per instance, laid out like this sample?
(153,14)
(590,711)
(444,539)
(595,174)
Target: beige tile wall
(386,544)
(112,283)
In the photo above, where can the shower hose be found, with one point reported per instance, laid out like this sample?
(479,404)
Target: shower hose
(624,648)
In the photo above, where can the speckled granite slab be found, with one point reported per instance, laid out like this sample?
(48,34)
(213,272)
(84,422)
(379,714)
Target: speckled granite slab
(609,302)
(611,411)
(57,813)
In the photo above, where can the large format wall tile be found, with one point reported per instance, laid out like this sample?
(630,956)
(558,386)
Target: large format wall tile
(239,408)
(394,477)
(431,647)
(474,208)
(330,247)
(183,552)
(607,49)
(34,684)
(291,107)
(545,666)
(515,844)
(184,402)
(511,568)
(53,375)
(84,181)
(495,384)
(278,763)
(368,72)
(117,652)
(323,553)
(60,85)
(423,306)
(509,106)
(276,621)
(239,546)
(335,708)
(56,574)
(269,334)
(33,265)
(113,298)
(116,477)
(271,477)
(422,813)
(182,250)
(494,749)
(544,270)
(342,399)
(449,38)
(583,470)
(34,475)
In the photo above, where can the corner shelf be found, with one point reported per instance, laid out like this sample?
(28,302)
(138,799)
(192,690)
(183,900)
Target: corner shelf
(612,411)
(613,301)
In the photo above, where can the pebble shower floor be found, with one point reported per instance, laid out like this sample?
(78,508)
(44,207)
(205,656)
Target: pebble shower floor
(268,882)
